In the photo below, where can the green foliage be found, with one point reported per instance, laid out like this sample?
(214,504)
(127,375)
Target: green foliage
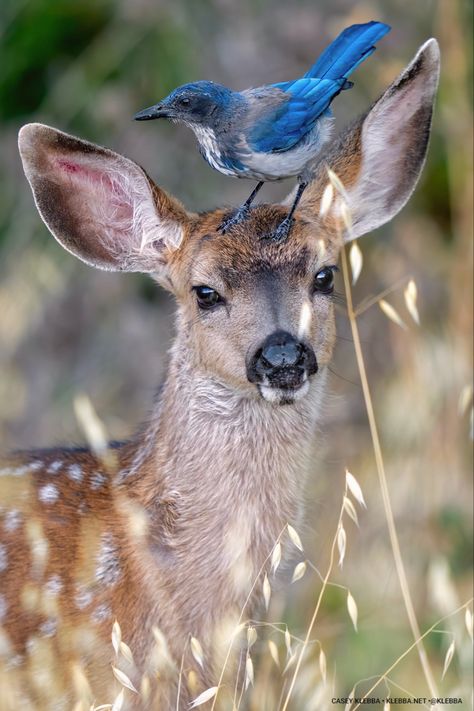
(87,66)
(38,44)
(455,532)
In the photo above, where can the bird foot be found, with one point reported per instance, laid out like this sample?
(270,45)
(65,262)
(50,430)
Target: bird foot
(282,231)
(235,219)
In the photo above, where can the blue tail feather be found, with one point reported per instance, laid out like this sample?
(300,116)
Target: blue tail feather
(352,47)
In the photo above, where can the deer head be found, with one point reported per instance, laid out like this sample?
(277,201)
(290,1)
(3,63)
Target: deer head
(254,315)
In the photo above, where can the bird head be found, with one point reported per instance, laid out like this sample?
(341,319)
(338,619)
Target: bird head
(201,102)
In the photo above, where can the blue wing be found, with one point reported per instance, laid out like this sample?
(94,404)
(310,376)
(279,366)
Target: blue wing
(289,118)
(281,127)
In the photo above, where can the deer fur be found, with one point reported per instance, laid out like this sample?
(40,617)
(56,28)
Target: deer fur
(171,530)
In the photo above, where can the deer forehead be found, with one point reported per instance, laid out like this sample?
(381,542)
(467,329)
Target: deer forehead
(248,252)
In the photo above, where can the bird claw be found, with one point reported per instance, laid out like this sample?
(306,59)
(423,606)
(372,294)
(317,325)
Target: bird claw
(235,219)
(282,231)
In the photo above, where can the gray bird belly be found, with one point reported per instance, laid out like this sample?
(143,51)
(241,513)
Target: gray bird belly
(287,164)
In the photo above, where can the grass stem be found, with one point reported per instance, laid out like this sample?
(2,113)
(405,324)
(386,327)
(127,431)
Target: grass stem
(399,565)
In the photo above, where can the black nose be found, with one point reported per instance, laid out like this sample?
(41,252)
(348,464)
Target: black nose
(282,362)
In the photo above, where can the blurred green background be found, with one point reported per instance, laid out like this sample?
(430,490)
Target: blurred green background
(86,67)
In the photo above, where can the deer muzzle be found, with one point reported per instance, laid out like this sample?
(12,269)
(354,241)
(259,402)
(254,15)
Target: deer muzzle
(281,367)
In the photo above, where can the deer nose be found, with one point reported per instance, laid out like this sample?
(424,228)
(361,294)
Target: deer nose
(282,361)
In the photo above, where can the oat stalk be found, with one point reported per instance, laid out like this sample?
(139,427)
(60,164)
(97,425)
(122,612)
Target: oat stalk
(384,676)
(399,565)
(180,677)
(239,621)
(372,300)
(309,631)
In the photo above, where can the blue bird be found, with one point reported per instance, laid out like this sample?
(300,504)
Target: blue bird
(270,132)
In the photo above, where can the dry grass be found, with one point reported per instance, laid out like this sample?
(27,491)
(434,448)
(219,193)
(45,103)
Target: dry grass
(65,330)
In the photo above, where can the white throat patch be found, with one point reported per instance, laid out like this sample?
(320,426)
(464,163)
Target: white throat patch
(210,149)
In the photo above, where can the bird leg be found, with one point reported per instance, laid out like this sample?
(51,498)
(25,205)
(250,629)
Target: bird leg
(283,229)
(241,213)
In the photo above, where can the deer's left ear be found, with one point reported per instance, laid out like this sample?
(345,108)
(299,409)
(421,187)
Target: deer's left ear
(100,206)
(380,158)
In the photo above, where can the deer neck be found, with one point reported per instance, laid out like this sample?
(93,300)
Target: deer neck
(220,476)
(219,453)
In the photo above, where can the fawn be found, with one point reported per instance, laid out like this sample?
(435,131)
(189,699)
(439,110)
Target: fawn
(167,533)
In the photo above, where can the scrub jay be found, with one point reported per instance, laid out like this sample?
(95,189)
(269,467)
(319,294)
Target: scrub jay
(271,132)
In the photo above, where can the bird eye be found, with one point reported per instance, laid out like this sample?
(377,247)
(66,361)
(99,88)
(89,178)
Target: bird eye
(207,298)
(324,280)
(184,101)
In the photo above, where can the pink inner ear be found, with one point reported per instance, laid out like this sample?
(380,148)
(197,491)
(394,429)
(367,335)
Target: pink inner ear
(89,174)
(103,209)
(109,194)
(67,166)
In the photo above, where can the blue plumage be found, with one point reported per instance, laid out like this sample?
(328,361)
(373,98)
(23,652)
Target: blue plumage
(310,96)
(284,126)
(275,131)
(348,50)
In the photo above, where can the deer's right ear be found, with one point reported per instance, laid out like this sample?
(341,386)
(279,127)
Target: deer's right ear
(379,159)
(100,206)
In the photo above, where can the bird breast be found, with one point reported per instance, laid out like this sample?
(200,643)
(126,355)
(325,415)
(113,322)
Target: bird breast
(210,149)
(243,162)
(290,163)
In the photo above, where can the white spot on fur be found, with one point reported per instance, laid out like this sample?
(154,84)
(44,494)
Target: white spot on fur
(15,661)
(108,569)
(32,645)
(16,471)
(36,466)
(102,612)
(98,479)
(83,597)
(49,627)
(74,472)
(3,558)
(48,493)
(12,520)
(54,467)
(53,585)
(3,607)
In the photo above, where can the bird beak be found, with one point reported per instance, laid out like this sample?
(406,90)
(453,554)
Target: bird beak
(153,112)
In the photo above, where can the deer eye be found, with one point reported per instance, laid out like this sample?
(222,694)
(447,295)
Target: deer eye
(324,280)
(207,298)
